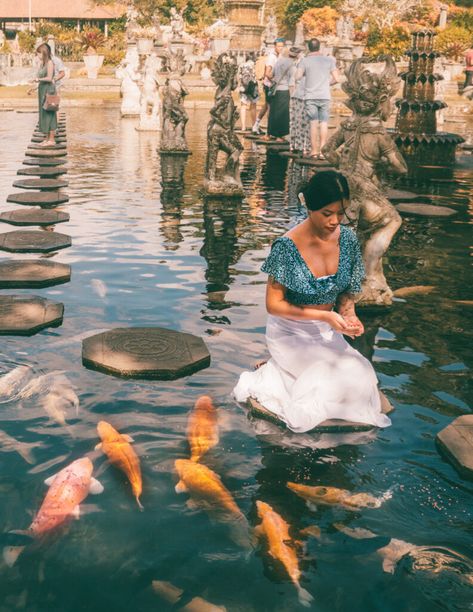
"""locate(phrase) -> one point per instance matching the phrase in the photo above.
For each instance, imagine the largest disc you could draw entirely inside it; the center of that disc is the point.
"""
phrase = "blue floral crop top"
(286, 265)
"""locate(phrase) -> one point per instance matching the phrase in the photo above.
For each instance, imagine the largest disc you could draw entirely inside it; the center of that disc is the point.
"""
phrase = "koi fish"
(12, 382)
(332, 496)
(119, 451)
(67, 489)
(202, 427)
(208, 493)
(173, 595)
(274, 529)
(24, 449)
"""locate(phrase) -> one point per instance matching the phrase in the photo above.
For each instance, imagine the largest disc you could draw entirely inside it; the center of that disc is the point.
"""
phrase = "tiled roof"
(60, 9)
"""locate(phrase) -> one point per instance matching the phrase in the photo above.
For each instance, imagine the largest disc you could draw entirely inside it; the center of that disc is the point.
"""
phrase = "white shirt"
(58, 67)
(270, 61)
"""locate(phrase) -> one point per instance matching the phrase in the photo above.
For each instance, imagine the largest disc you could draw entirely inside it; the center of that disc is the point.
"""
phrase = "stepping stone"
(54, 146)
(314, 163)
(41, 184)
(24, 111)
(59, 134)
(38, 139)
(290, 154)
(46, 152)
(46, 161)
(398, 195)
(145, 352)
(6, 109)
(403, 292)
(43, 172)
(455, 442)
(33, 217)
(24, 315)
(38, 198)
(32, 273)
(329, 426)
(33, 241)
(425, 210)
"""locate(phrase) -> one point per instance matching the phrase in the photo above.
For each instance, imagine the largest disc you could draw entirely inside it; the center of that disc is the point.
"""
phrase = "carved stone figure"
(271, 31)
(359, 148)
(177, 23)
(127, 72)
(345, 28)
(221, 132)
(131, 23)
(150, 102)
(299, 37)
(175, 117)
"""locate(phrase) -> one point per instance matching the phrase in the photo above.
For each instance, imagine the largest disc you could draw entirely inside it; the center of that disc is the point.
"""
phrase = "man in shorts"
(320, 72)
(271, 60)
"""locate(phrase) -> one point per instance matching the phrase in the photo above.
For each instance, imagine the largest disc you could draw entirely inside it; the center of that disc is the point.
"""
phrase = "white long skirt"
(313, 375)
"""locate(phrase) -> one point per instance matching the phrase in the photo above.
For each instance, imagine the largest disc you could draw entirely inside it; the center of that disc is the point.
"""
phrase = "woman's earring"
(301, 198)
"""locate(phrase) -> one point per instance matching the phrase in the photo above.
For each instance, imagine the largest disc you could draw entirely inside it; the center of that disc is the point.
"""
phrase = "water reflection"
(172, 190)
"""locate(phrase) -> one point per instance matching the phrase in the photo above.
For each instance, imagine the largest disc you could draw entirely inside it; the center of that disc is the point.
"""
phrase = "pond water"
(148, 250)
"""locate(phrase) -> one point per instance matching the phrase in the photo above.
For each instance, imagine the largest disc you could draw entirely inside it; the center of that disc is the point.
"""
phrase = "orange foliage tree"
(320, 21)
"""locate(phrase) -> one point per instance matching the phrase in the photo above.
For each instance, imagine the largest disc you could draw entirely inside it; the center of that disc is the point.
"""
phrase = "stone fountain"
(416, 124)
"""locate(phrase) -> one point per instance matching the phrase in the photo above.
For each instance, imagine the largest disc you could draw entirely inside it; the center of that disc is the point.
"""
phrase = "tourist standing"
(468, 68)
(249, 95)
(278, 120)
(59, 69)
(299, 128)
(45, 80)
(272, 58)
(320, 72)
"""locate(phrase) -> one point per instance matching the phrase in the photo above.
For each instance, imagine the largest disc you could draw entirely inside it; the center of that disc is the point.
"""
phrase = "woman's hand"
(338, 323)
(355, 322)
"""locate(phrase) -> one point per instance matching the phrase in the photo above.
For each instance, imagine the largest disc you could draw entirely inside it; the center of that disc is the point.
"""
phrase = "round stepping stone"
(46, 161)
(329, 426)
(54, 146)
(145, 352)
(312, 162)
(59, 134)
(398, 195)
(403, 292)
(33, 241)
(46, 152)
(41, 184)
(25, 111)
(455, 442)
(38, 139)
(38, 198)
(43, 172)
(31, 274)
(33, 217)
(425, 210)
(24, 315)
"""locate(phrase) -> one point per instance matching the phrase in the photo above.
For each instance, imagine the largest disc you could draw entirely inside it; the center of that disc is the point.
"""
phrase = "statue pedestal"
(174, 151)
(178, 43)
(223, 188)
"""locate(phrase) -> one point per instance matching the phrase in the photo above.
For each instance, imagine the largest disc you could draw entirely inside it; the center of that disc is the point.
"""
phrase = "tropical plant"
(320, 21)
(27, 41)
(91, 39)
(393, 41)
(453, 42)
(462, 18)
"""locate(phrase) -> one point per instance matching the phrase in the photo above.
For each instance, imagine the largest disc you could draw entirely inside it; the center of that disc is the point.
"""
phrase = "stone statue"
(127, 72)
(175, 117)
(345, 28)
(177, 23)
(150, 102)
(175, 62)
(299, 37)
(221, 132)
(359, 148)
(131, 23)
(271, 31)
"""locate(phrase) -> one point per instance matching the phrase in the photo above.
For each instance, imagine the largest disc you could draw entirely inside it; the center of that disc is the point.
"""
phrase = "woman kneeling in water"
(314, 270)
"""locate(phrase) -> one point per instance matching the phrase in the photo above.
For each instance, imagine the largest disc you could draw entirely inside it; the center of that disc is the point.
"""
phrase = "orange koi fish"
(202, 427)
(281, 546)
(119, 451)
(331, 496)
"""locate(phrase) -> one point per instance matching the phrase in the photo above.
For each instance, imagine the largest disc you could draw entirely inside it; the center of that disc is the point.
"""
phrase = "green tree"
(293, 9)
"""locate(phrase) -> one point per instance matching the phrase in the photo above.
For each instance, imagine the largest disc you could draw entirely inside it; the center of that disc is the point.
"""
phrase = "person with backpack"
(249, 94)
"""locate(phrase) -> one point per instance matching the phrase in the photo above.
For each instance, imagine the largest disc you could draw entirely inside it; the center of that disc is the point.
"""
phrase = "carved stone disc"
(145, 352)
(31, 273)
(33, 217)
(38, 198)
(46, 161)
(24, 315)
(33, 241)
(456, 444)
(46, 152)
(43, 172)
(41, 184)
(399, 195)
(425, 210)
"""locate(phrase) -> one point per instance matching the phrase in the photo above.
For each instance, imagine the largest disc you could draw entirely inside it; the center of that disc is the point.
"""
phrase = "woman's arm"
(277, 305)
(346, 308)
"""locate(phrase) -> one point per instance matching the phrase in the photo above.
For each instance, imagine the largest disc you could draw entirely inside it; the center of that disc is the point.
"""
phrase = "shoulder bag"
(274, 85)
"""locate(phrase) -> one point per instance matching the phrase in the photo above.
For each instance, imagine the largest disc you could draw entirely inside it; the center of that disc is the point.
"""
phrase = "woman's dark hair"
(45, 50)
(324, 188)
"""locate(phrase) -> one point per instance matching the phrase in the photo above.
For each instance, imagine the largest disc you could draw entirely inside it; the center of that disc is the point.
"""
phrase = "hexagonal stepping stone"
(59, 140)
(24, 315)
(46, 152)
(425, 210)
(145, 352)
(26, 111)
(455, 442)
(399, 195)
(33, 217)
(33, 241)
(312, 162)
(43, 172)
(38, 198)
(59, 133)
(54, 146)
(329, 426)
(31, 274)
(41, 184)
(46, 161)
